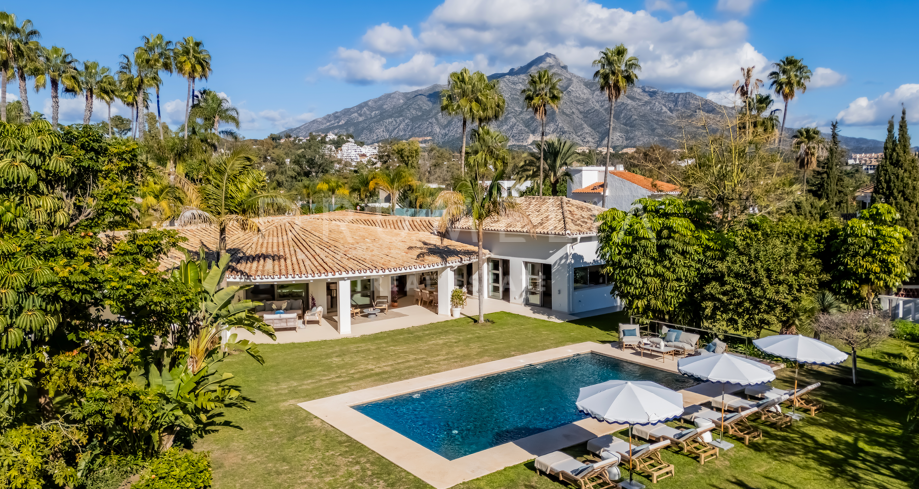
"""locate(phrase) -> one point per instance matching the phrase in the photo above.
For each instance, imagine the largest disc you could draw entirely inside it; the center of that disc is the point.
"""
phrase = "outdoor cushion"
(686, 434)
(720, 346)
(673, 335)
(690, 339)
(710, 348)
(629, 332)
(664, 330)
(656, 341)
(295, 305)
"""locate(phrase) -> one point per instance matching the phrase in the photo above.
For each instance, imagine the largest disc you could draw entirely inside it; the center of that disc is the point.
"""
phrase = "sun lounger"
(803, 401)
(770, 411)
(584, 475)
(735, 424)
(648, 461)
(690, 441)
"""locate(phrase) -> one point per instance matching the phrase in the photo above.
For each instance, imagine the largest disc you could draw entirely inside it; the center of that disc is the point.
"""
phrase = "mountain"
(643, 116)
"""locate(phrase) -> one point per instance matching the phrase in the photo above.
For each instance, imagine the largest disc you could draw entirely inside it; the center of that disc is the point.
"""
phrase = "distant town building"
(868, 161)
(423, 141)
(625, 187)
(353, 153)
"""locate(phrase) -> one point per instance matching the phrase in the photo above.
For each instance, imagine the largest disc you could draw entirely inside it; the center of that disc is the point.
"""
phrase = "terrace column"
(475, 278)
(445, 285)
(344, 307)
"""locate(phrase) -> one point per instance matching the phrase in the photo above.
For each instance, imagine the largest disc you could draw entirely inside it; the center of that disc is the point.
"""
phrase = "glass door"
(460, 278)
(494, 279)
(534, 283)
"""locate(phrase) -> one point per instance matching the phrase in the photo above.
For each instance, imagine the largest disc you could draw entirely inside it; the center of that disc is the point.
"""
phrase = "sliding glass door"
(494, 279)
(534, 283)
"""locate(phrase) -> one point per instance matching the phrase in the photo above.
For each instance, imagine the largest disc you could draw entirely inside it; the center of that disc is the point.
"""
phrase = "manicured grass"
(855, 442)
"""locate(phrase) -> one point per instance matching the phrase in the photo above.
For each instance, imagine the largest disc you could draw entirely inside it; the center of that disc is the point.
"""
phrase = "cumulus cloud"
(281, 120)
(684, 51)
(865, 112)
(740, 7)
(666, 5)
(385, 38)
(724, 97)
(70, 110)
(825, 77)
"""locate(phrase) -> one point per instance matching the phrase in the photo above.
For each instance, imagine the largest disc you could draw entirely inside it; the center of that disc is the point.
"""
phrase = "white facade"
(510, 187)
(622, 193)
(352, 152)
(556, 257)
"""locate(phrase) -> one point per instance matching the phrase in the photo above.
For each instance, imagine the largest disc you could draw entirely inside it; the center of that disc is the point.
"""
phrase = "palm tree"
(747, 90)
(6, 64)
(764, 119)
(789, 76)
(22, 50)
(233, 192)
(140, 66)
(211, 108)
(542, 91)
(126, 93)
(59, 67)
(827, 303)
(334, 186)
(394, 181)
(362, 185)
(616, 72)
(90, 79)
(192, 62)
(107, 91)
(308, 189)
(460, 98)
(492, 103)
(159, 52)
(560, 154)
(480, 204)
(489, 151)
(810, 146)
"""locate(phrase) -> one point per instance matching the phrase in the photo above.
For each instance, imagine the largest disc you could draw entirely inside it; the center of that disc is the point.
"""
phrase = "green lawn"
(855, 442)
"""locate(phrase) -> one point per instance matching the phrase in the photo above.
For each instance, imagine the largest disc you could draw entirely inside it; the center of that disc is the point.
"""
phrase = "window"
(589, 277)
(262, 292)
(291, 291)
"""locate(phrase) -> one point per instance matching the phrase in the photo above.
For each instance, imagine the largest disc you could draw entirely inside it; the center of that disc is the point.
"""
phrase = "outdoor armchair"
(314, 316)
(629, 336)
(382, 303)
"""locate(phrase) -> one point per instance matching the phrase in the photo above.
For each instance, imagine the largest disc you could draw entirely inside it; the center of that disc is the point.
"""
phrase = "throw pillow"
(664, 330)
(710, 348)
(673, 335)
(656, 342)
(629, 332)
(720, 346)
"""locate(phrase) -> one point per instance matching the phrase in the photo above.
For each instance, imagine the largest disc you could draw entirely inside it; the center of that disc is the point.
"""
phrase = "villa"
(625, 187)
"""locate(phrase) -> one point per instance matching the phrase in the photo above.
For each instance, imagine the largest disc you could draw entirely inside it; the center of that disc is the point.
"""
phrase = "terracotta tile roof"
(327, 246)
(419, 224)
(865, 190)
(549, 215)
(646, 183)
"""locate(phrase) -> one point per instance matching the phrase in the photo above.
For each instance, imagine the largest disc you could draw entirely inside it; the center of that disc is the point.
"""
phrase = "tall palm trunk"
(159, 118)
(782, 131)
(2, 94)
(109, 119)
(88, 108)
(482, 273)
(24, 96)
(609, 139)
(542, 144)
(55, 103)
(140, 112)
(133, 124)
(463, 151)
(222, 242)
(216, 125)
(188, 106)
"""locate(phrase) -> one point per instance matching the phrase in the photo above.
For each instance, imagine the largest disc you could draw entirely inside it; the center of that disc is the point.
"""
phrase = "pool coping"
(442, 473)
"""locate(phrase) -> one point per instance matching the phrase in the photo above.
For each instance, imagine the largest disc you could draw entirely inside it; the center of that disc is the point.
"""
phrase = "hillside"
(644, 116)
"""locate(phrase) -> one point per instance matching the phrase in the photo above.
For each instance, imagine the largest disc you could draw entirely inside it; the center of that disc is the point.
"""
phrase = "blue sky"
(283, 63)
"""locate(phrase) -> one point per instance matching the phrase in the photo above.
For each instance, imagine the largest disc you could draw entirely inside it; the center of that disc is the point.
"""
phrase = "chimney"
(620, 167)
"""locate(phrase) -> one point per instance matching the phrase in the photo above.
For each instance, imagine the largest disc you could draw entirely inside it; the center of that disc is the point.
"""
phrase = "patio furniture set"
(380, 304)
(424, 296)
(672, 342)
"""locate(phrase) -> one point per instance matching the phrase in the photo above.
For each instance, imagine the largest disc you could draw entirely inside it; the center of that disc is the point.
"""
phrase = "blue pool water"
(469, 416)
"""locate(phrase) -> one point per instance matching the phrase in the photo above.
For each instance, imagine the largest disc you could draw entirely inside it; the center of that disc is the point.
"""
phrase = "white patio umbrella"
(801, 349)
(725, 369)
(631, 402)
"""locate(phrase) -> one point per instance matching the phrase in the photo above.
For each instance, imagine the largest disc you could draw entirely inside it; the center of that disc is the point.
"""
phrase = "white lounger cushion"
(732, 403)
(609, 443)
(549, 462)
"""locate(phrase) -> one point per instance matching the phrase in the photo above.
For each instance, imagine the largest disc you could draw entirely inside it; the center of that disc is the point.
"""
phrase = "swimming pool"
(465, 417)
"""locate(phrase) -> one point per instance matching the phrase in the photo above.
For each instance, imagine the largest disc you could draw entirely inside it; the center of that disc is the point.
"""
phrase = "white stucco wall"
(598, 297)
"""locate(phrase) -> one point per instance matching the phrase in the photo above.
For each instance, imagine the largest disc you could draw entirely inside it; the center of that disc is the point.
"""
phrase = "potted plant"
(458, 301)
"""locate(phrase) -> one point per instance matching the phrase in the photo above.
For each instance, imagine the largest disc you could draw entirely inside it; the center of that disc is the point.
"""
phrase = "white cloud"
(70, 110)
(825, 77)
(281, 120)
(865, 112)
(385, 38)
(666, 5)
(741, 7)
(724, 97)
(685, 51)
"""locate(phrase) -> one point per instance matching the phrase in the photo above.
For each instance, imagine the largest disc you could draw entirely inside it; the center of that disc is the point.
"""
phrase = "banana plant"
(217, 312)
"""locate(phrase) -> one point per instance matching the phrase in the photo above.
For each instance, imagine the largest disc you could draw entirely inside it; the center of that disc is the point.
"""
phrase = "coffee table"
(371, 312)
(663, 351)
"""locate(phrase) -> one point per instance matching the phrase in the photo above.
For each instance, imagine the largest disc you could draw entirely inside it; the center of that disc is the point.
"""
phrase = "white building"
(625, 187)
(353, 153)
(511, 187)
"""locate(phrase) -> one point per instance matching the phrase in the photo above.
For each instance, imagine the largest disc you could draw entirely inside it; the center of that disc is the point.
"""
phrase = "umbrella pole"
(721, 439)
(794, 395)
(630, 454)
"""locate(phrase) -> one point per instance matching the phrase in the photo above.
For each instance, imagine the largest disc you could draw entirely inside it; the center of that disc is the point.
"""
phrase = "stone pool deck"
(442, 473)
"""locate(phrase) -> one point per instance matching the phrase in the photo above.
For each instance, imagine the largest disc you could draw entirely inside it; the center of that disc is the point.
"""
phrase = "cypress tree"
(829, 189)
(898, 186)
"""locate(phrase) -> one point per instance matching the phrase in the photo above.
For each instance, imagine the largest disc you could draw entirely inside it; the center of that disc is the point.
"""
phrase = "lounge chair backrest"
(590, 470)
(650, 449)
(687, 434)
(807, 389)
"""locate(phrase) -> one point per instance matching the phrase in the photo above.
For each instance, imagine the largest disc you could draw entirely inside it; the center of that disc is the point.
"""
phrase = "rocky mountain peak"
(547, 61)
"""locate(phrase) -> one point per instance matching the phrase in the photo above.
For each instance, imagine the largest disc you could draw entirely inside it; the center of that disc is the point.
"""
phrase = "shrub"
(905, 330)
(458, 298)
(177, 469)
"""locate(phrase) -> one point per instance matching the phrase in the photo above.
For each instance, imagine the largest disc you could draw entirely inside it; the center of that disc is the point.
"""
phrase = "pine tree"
(898, 185)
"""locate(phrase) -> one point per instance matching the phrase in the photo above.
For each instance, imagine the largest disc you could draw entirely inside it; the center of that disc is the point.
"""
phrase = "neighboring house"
(556, 266)
(510, 187)
(625, 187)
(341, 259)
(863, 197)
